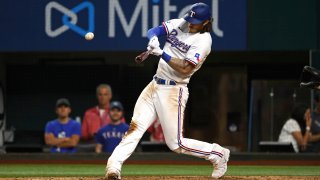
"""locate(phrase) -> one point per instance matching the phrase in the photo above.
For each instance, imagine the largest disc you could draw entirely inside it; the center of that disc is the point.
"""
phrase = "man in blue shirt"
(109, 136)
(63, 133)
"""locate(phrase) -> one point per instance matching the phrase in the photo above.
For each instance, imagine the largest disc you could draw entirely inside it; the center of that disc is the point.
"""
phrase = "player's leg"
(144, 114)
(170, 108)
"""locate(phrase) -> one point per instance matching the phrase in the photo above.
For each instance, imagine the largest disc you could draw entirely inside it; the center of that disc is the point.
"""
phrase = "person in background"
(315, 126)
(156, 133)
(63, 133)
(98, 116)
(297, 128)
(109, 136)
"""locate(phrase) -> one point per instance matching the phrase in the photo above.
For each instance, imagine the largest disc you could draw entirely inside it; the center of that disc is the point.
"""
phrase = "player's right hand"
(157, 51)
(154, 42)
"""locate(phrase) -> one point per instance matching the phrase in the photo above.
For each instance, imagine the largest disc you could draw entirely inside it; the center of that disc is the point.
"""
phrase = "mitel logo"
(69, 18)
(148, 12)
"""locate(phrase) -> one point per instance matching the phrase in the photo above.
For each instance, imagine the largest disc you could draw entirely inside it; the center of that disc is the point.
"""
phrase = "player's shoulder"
(203, 40)
(205, 36)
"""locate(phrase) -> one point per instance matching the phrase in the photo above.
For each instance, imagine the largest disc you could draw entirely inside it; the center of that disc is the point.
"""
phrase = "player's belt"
(164, 81)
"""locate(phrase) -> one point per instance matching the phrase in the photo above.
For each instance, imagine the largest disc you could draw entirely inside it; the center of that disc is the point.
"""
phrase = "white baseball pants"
(167, 102)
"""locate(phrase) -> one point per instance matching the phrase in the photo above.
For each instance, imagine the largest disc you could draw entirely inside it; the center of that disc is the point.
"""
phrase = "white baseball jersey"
(167, 102)
(193, 47)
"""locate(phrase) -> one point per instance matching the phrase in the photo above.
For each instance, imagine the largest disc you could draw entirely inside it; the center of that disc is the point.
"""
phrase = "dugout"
(218, 108)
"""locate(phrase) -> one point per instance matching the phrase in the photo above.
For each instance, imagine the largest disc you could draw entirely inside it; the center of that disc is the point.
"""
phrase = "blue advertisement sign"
(118, 25)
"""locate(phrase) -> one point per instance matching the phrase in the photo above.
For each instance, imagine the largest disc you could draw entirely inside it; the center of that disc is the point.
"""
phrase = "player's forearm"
(181, 66)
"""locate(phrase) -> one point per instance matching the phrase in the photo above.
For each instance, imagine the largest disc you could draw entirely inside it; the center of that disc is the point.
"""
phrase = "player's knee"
(178, 150)
(173, 147)
(133, 131)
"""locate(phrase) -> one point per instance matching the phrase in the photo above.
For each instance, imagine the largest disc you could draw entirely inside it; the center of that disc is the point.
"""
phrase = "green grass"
(45, 170)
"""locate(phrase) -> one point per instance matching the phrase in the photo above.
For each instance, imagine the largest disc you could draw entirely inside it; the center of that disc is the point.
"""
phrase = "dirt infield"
(175, 178)
(225, 178)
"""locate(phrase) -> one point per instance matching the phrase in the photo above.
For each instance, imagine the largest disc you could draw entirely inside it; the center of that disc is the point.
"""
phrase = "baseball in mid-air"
(89, 36)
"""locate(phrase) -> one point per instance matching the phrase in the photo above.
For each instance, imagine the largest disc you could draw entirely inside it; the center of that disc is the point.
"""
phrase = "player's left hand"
(154, 42)
(157, 51)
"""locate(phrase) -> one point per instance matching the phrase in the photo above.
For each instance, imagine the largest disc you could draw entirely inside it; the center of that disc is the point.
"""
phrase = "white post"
(271, 113)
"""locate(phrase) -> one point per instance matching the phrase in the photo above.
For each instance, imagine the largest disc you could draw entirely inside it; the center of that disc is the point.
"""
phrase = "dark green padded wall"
(282, 24)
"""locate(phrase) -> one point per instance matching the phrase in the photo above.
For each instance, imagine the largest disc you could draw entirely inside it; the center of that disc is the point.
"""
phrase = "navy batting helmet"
(198, 13)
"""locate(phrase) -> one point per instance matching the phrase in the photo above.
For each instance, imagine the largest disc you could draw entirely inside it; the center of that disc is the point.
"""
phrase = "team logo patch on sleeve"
(197, 56)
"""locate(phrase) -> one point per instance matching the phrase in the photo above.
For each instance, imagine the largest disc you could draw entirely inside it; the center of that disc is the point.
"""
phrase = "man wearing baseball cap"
(97, 116)
(109, 136)
(63, 133)
(188, 43)
(199, 17)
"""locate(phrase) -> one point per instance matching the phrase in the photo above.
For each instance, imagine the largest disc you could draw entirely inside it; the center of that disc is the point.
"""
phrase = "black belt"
(164, 81)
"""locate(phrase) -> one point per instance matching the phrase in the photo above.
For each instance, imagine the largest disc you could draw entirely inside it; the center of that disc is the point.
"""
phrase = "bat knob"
(138, 59)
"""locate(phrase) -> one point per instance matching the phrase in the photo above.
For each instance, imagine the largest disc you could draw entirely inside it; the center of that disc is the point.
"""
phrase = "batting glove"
(154, 42)
(157, 51)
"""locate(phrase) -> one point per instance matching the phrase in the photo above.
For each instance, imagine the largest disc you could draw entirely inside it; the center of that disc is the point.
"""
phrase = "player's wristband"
(166, 57)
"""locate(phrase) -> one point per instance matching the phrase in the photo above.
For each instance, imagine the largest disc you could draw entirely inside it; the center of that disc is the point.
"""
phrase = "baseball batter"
(188, 43)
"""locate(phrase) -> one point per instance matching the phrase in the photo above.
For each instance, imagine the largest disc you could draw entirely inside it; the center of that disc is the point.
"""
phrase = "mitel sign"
(118, 25)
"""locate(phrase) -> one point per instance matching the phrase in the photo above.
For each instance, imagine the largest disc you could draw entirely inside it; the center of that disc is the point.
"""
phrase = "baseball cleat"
(113, 176)
(220, 167)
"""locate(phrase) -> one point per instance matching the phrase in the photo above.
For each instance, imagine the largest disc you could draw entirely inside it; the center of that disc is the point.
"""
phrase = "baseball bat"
(142, 57)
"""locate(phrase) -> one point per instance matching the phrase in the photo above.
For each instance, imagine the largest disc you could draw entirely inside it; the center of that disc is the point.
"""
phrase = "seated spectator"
(63, 133)
(156, 133)
(109, 136)
(98, 116)
(297, 128)
(315, 126)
